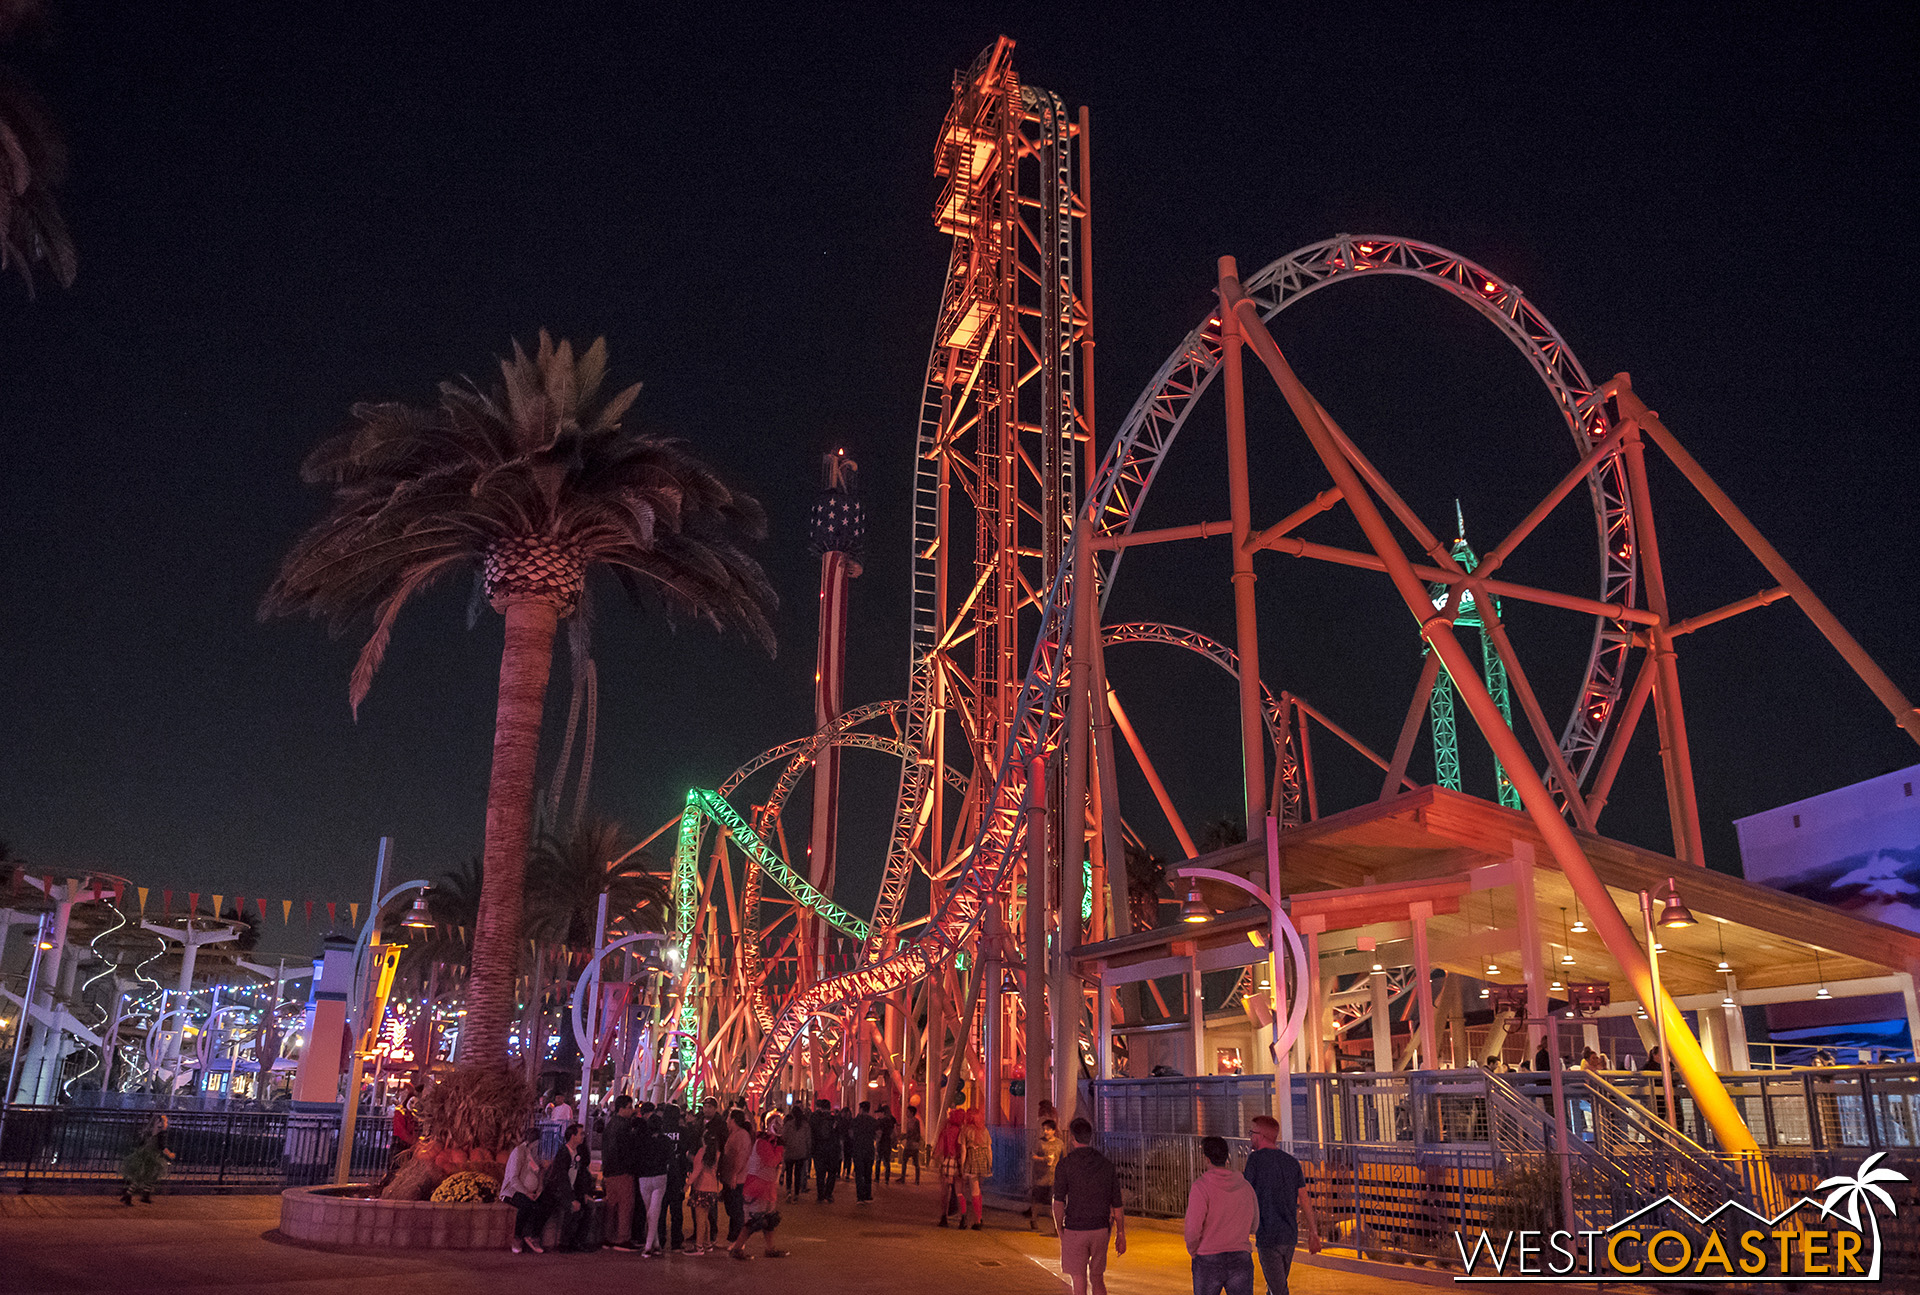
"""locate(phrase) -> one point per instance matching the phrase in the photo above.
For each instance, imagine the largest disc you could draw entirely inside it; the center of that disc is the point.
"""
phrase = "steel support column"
(1711, 1095)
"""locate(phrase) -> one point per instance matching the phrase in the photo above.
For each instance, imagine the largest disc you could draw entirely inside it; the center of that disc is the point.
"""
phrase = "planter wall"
(328, 1216)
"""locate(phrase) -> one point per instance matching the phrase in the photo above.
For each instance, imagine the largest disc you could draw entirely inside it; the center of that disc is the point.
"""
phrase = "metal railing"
(238, 1148)
(1221, 1104)
(1391, 1156)
(1872, 1107)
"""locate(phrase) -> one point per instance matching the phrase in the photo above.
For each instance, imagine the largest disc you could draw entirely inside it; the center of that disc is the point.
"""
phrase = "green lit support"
(1446, 734)
(703, 807)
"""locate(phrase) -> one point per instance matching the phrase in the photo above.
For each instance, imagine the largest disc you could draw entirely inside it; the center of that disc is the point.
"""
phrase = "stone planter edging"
(325, 1216)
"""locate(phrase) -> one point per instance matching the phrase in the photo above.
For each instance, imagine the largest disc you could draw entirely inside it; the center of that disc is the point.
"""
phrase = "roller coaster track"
(1115, 496)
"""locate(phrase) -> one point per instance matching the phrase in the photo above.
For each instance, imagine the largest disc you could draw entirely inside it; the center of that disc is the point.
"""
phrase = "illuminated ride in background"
(1007, 776)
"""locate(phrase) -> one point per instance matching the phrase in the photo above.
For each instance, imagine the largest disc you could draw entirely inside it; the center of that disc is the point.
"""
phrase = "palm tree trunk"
(525, 661)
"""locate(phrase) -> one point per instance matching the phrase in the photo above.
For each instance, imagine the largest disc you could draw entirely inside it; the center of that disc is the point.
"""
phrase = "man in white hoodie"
(1222, 1212)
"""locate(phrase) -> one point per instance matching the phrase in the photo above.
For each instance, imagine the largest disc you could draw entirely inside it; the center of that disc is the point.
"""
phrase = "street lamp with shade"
(419, 917)
(1281, 929)
(1674, 915)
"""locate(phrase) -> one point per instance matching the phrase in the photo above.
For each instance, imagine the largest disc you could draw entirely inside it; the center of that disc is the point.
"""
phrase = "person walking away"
(1087, 1213)
(703, 1192)
(521, 1189)
(1280, 1189)
(733, 1171)
(947, 1156)
(863, 1138)
(1045, 1156)
(147, 1163)
(558, 1187)
(1222, 1212)
(680, 1144)
(761, 1193)
(911, 1137)
(619, 1149)
(796, 1137)
(843, 1116)
(650, 1180)
(887, 1126)
(825, 1134)
(976, 1165)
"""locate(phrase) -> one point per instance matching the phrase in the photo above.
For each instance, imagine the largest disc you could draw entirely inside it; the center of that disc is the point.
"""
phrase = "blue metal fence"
(236, 1148)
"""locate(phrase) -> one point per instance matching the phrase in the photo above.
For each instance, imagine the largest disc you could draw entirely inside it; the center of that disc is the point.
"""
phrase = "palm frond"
(541, 455)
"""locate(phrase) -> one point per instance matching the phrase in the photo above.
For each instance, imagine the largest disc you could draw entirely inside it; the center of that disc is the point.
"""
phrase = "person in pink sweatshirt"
(1222, 1212)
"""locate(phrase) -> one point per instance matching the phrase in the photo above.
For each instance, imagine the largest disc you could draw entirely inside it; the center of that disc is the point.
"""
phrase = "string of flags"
(218, 906)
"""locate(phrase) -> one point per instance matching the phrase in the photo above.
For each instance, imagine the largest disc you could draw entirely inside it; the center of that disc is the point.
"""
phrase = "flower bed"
(347, 1217)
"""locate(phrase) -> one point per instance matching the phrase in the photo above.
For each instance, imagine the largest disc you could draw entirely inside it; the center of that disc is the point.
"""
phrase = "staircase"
(1624, 1155)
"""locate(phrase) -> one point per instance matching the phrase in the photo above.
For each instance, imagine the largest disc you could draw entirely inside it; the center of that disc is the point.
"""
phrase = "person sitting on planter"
(525, 1178)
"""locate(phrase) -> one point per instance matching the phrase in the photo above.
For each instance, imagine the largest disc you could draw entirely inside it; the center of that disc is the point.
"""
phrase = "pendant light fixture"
(1493, 968)
(1579, 922)
(1566, 944)
(1722, 932)
(1195, 909)
(1819, 972)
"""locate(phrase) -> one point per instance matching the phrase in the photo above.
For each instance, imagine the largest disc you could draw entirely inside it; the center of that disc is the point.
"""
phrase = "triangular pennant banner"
(286, 912)
(355, 910)
(263, 908)
(143, 901)
(309, 912)
(193, 903)
(333, 918)
(119, 892)
(166, 901)
(217, 900)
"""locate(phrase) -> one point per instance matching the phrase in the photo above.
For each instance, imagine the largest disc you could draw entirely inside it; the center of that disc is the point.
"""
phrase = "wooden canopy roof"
(1359, 869)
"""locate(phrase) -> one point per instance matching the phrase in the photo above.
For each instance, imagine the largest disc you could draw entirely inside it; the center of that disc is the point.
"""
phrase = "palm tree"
(33, 163)
(1862, 1190)
(534, 483)
(568, 874)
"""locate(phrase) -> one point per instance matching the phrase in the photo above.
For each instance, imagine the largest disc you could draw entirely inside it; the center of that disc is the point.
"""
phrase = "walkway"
(82, 1245)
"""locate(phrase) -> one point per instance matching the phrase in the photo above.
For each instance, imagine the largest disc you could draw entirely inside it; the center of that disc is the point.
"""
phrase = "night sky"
(282, 209)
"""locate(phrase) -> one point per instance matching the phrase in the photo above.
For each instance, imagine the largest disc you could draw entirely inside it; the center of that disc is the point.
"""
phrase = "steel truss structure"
(1011, 810)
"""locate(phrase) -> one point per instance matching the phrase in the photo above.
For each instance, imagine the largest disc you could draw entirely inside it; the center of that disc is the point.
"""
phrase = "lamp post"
(26, 1011)
(585, 1005)
(1279, 928)
(1674, 916)
(368, 1032)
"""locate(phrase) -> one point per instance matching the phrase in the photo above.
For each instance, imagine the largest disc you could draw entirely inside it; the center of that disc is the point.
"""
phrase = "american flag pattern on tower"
(838, 520)
(836, 531)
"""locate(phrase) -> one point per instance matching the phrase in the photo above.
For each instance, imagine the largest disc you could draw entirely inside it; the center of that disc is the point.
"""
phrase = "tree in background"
(532, 484)
(33, 163)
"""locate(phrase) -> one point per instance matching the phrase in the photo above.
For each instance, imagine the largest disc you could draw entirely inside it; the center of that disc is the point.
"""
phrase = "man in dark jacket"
(863, 1138)
(618, 1146)
(826, 1150)
(887, 1126)
(560, 1190)
(685, 1140)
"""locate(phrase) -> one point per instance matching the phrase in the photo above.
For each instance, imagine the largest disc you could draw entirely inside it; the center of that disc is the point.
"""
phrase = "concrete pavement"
(92, 1245)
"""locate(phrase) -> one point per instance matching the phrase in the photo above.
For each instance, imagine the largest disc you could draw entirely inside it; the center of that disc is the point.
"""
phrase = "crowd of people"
(707, 1181)
(667, 1176)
